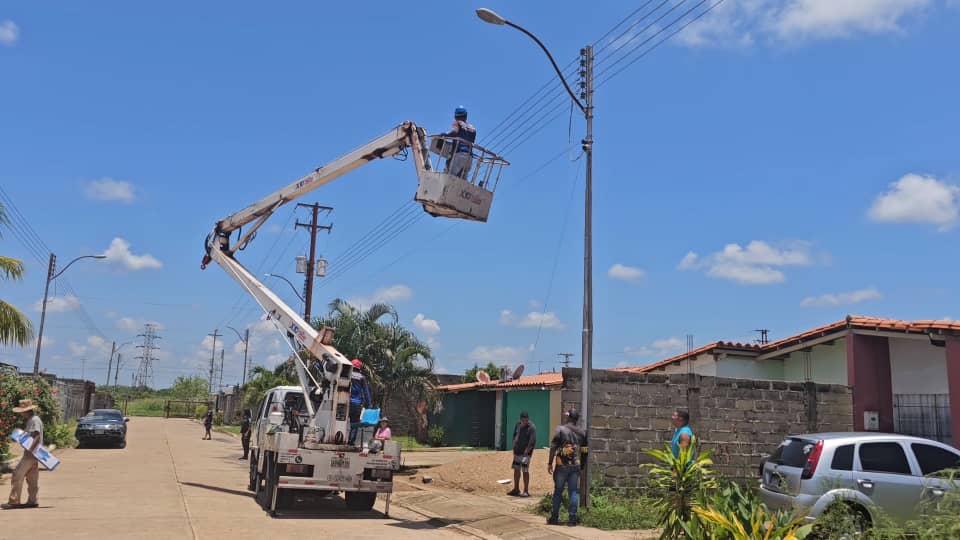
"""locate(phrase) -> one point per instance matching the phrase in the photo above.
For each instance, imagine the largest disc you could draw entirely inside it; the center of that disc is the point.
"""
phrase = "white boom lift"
(300, 439)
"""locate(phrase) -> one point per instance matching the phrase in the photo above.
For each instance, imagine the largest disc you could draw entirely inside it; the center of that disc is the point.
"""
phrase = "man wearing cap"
(568, 451)
(359, 398)
(459, 164)
(29, 468)
(524, 441)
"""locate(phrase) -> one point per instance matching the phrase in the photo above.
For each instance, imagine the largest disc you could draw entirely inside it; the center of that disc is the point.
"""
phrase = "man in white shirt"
(29, 468)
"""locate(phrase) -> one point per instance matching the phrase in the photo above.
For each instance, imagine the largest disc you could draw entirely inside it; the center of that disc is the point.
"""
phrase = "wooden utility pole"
(312, 261)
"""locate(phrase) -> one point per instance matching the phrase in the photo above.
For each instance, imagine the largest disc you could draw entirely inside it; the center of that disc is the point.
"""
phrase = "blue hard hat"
(460, 111)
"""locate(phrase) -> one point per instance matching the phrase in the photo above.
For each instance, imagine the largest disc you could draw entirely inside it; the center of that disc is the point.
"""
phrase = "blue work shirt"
(675, 443)
(359, 390)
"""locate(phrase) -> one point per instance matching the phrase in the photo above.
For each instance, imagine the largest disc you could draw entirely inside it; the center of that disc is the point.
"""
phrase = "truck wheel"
(254, 482)
(359, 500)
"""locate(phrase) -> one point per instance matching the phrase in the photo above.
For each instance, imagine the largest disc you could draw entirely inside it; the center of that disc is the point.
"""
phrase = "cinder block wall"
(741, 420)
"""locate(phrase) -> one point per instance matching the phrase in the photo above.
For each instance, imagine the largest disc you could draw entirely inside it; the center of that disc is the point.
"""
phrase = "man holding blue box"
(29, 468)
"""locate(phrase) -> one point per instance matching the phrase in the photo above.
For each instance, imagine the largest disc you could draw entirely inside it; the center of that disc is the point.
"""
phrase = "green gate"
(537, 405)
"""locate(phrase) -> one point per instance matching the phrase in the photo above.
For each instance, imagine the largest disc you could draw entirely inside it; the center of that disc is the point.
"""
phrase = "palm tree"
(15, 327)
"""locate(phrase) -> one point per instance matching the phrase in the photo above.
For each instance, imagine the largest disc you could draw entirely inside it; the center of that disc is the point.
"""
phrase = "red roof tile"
(852, 321)
(543, 379)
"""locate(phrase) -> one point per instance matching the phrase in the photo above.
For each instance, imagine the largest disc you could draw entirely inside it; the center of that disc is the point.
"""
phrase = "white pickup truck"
(282, 463)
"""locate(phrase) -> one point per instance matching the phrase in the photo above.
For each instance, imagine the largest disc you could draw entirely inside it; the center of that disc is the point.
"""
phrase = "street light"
(46, 291)
(246, 344)
(586, 71)
(292, 286)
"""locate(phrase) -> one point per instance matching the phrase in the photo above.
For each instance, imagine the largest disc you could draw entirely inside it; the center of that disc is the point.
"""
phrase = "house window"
(923, 415)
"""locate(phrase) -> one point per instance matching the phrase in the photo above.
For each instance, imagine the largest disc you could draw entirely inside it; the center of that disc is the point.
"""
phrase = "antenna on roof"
(764, 336)
(690, 359)
(566, 358)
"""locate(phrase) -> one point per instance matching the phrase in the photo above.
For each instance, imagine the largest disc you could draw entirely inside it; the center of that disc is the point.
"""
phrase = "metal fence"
(923, 415)
(186, 409)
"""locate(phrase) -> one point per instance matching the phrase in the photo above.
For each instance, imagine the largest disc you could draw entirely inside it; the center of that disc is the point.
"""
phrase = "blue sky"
(778, 164)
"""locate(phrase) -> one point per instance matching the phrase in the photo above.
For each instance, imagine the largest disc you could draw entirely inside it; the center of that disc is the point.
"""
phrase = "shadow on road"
(217, 488)
(428, 524)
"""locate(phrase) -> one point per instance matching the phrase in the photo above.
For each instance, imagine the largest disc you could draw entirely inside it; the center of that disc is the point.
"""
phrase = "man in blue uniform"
(359, 398)
(461, 161)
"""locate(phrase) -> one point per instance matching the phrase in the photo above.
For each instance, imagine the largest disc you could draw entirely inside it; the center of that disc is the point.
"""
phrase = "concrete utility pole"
(245, 338)
(116, 374)
(51, 268)
(113, 351)
(213, 357)
(585, 106)
(311, 262)
(220, 381)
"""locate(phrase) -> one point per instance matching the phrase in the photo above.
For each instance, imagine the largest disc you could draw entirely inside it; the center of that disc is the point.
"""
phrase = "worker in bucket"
(459, 164)
(359, 398)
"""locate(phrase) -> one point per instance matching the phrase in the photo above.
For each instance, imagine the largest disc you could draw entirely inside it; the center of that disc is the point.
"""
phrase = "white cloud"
(661, 347)
(132, 324)
(425, 325)
(534, 319)
(916, 198)
(535, 304)
(744, 22)
(119, 253)
(58, 304)
(108, 189)
(499, 355)
(94, 344)
(840, 299)
(9, 33)
(756, 264)
(388, 295)
(830, 18)
(625, 273)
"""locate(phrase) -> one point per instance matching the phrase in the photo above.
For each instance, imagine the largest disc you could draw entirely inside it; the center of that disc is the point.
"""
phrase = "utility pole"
(246, 346)
(116, 374)
(51, 266)
(213, 356)
(113, 351)
(566, 358)
(220, 382)
(586, 92)
(311, 262)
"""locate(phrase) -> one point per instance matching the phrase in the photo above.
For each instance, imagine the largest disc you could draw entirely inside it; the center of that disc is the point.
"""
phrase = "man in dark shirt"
(524, 441)
(245, 433)
(568, 451)
(465, 134)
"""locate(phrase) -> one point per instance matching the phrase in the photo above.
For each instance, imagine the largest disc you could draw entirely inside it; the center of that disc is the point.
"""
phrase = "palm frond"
(15, 327)
(11, 268)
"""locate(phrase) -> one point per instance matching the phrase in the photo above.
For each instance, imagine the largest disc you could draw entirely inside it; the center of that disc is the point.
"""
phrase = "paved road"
(168, 483)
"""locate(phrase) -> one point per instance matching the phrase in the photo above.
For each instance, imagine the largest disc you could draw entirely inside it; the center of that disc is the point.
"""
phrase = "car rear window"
(933, 459)
(792, 452)
(842, 458)
(884, 457)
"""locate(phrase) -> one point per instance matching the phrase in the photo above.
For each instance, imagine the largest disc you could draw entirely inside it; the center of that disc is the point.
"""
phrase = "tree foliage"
(15, 327)
(13, 388)
(190, 388)
(492, 369)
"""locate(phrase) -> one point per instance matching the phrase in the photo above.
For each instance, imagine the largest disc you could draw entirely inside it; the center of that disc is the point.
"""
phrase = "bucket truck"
(300, 440)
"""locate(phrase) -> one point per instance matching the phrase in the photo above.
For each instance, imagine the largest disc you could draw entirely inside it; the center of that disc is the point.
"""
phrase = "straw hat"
(25, 405)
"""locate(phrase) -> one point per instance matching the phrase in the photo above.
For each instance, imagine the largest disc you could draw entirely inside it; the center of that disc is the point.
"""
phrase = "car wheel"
(122, 444)
(79, 444)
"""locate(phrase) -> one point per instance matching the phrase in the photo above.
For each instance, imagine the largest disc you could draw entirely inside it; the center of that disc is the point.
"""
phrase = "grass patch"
(609, 511)
(146, 407)
(228, 429)
(409, 443)
(61, 435)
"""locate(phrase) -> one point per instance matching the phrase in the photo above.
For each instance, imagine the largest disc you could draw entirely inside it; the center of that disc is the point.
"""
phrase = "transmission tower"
(144, 375)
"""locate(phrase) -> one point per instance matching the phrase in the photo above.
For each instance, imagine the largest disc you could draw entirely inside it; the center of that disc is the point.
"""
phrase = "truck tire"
(273, 477)
(254, 482)
(360, 501)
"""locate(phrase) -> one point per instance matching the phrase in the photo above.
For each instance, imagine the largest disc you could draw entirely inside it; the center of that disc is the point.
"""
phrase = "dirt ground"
(480, 474)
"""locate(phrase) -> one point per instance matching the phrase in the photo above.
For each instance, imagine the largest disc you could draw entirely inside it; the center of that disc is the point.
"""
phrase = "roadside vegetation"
(13, 388)
(686, 498)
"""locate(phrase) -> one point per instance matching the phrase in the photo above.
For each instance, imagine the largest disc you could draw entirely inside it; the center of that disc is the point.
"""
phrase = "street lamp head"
(490, 16)
(99, 256)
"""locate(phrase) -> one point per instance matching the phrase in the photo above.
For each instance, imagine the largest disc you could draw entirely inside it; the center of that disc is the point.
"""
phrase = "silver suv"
(869, 471)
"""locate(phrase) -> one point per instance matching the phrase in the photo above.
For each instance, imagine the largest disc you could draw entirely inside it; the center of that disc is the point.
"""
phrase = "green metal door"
(537, 405)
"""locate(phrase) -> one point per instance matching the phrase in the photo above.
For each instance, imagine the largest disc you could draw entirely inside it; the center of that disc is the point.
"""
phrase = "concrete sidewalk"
(493, 517)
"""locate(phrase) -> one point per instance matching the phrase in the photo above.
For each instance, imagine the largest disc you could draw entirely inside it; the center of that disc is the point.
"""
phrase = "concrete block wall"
(741, 420)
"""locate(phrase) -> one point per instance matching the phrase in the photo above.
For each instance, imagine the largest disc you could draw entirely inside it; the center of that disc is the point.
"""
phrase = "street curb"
(466, 529)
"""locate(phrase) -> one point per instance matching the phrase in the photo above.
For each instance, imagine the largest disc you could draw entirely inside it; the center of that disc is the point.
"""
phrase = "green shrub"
(608, 510)
(151, 406)
(435, 436)
(61, 435)
(13, 388)
(678, 481)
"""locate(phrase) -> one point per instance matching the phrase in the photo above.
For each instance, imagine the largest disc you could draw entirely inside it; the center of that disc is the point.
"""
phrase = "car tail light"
(810, 466)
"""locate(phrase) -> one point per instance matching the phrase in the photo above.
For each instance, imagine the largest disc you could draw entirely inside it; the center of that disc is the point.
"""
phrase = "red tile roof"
(851, 322)
(543, 379)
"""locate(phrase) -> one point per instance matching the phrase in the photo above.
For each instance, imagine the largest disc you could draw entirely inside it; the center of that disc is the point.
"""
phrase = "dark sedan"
(102, 428)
